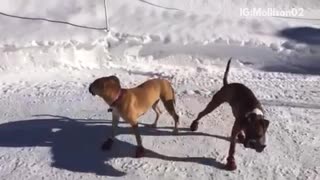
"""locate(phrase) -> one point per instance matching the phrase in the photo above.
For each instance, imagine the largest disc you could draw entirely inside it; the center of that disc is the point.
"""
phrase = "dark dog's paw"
(107, 144)
(231, 164)
(139, 151)
(194, 126)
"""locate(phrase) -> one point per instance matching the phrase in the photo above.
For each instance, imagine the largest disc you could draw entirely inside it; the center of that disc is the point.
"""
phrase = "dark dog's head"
(101, 85)
(255, 132)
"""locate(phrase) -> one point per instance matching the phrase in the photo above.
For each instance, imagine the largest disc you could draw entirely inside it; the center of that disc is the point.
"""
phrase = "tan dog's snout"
(91, 91)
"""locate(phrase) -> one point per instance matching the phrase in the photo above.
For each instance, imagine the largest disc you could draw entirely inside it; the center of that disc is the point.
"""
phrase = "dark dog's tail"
(225, 78)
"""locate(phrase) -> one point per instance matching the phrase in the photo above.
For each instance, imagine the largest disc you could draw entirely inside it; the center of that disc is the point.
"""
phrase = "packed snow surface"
(52, 128)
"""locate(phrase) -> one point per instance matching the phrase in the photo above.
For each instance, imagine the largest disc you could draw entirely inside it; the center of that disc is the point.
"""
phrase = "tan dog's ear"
(115, 79)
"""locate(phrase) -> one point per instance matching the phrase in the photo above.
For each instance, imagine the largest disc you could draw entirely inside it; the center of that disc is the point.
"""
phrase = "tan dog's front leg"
(139, 149)
(231, 164)
(115, 121)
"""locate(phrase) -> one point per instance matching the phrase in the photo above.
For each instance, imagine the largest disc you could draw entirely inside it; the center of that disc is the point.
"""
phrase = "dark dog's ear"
(266, 123)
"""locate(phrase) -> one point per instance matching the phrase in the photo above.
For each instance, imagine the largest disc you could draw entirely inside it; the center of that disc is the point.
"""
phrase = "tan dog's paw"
(194, 126)
(175, 131)
(151, 125)
(107, 144)
(139, 152)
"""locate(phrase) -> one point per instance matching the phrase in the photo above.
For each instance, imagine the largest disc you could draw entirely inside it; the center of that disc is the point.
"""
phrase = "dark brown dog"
(130, 104)
(250, 126)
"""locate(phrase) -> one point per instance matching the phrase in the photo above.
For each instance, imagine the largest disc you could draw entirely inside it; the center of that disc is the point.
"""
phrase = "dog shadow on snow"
(75, 143)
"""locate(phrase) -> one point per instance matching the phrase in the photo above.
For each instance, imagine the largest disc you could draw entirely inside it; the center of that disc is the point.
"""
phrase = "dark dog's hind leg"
(216, 100)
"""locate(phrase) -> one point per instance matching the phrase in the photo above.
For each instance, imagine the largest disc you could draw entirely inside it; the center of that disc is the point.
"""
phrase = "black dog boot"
(107, 144)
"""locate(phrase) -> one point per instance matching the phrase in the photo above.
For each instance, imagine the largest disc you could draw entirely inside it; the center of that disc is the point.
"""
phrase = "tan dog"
(250, 126)
(130, 104)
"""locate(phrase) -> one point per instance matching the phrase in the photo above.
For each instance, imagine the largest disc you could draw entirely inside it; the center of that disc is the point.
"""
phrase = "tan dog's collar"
(118, 97)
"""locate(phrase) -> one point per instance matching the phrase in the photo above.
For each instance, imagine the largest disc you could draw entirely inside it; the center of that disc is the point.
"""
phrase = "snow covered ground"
(52, 128)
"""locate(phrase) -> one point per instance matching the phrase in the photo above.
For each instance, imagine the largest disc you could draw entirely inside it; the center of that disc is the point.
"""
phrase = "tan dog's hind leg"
(139, 149)
(169, 105)
(158, 112)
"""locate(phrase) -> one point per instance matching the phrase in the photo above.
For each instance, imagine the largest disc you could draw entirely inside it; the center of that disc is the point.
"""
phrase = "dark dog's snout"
(260, 148)
(253, 144)
(250, 144)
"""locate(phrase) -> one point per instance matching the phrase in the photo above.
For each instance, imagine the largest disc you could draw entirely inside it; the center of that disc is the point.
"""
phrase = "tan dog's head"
(255, 132)
(103, 85)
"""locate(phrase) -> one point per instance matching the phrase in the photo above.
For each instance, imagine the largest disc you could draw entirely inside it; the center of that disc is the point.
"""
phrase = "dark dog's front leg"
(115, 121)
(241, 137)
(231, 163)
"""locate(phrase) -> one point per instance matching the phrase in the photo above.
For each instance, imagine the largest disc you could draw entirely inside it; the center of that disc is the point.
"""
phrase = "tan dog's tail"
(173, 96)
(225, 78)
